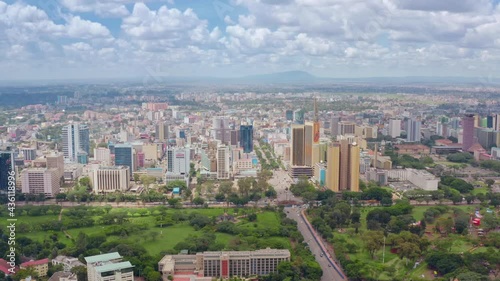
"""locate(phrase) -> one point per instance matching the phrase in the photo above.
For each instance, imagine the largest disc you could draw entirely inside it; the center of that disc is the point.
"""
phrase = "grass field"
(476, 191)
(165, 238)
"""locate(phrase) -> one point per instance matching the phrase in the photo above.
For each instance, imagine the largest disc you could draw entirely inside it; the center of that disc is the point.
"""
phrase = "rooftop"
(113, 266)
(34, 263)
(103, 257)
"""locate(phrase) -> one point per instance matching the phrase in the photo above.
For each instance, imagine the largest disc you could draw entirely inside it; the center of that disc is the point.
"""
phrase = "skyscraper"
(297, 153)
(468, 131)
(308, 143)
(413, 133)
(6, 169)
(289, 115)
(394, 128)
(298, 116)
(178, 160)
(316, 125)
(343, 166)
(334, 126)
(221, 130)
(246, 138)
(161, 131)
(347, 128)
(124, 156)
(75, 139)
(223, 162)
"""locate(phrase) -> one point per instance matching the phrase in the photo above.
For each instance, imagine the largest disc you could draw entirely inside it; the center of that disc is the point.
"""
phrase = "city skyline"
(121, 39)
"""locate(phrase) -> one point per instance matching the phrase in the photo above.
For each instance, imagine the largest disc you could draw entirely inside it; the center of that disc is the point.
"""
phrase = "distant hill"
(280, 77)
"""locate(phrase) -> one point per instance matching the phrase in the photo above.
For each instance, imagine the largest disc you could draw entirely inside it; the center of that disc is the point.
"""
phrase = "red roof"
(34, 263)
(5, 266)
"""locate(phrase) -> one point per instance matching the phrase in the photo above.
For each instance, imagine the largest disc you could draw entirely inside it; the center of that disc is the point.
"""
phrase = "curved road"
(331, 271)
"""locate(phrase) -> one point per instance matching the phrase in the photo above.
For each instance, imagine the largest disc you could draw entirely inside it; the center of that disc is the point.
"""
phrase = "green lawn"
(29, 219)
(476, 191)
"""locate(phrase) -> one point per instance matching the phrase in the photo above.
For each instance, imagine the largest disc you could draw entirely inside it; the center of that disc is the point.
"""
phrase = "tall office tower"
(41, 180)
(489, 121)
(468, 131)
(483, 122)
(56, 161)
(334, 126)
(75, 139)
(289, 115)
(246, 138)
(476, 120)
(343, 166)
(297, 153)
(308, 143)
(394, 128)
(161, 131)
(413, 133)
(103, 154)
(221, 130)
(124, 156)
(298, 116)
(496, 122)
(178, 160)
(7, 170)
(347, 128)
(223, 167)
(235, 137)
(316, 124)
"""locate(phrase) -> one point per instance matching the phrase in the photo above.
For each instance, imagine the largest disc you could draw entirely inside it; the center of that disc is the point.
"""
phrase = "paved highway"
(331, 272)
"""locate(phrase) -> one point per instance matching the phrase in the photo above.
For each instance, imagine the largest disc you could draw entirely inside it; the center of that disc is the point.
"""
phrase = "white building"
(102, 155)
(421, 178)
(109, 267)
(75, 139)
(41, 180)
(67, 262)
(110, 179)
(394, 128)
(178, 160)
(223, 167)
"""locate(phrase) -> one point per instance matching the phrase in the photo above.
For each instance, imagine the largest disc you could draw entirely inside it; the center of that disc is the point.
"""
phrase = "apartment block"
(109, 267)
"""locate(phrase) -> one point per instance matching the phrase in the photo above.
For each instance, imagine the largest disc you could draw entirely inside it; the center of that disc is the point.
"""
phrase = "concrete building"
(162, 131)
(103, 155)
(29, 153)
(297, 152)
(343, 166)
(75, 139)
(246, 138)
(6, 169)
(413, 130)
(41, 267)
(468, 131)
(347, 128)
(178, 160)
(223, 164)
(334, 126)
(420, 178)
(41, 180)
(67, 262)
(221, 130)
(109, 267)
(224, 264)
(110, 179)
(394, 128)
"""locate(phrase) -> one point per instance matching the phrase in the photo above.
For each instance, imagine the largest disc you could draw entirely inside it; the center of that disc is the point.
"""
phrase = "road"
(331, 272)
(281, 181)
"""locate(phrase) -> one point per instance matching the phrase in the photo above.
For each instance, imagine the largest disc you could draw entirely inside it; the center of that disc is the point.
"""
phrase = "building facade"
(343, 166)
(110, 179)
(41, 180)
(6, 169)
(109, 267)
(124, 156)
(223, 164)
(75, 139)
(246, 138)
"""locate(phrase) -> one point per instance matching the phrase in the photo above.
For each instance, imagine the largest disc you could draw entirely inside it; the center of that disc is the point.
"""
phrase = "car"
(321, 255)
(329, 265)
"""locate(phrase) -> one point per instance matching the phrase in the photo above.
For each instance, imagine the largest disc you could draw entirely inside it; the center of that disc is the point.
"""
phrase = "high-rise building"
(221, 130)
(297, 153)
(124, 156)
(394, 128)
(308, 143)
(41, 180)
(102, 154)
(343, 166)
(109, 267)
(334, 126)
(289, 115)
(347, 128)
(413, 132)
(56, 161)
(6, 170)
(316, 124)
(29, 153)
(246, 138)
(178, 160)
(298, 116)
(75, 139)
(468, 131)
(162, 131)
(223, 166)
(110, 179)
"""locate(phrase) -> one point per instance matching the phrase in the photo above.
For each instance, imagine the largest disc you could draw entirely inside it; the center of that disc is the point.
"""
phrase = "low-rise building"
(110, 179)
(41, 267)
(67, 262)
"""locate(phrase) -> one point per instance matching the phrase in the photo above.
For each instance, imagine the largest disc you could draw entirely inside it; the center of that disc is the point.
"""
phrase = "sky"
(82, 39)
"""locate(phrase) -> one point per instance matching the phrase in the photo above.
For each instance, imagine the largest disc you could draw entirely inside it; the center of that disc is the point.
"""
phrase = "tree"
(408, 250)
(373, 241)
(489, 182)
(198, 201)
(471, 276)
(136, 177)
(81, 272)
(85, 181)
(147, 180)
